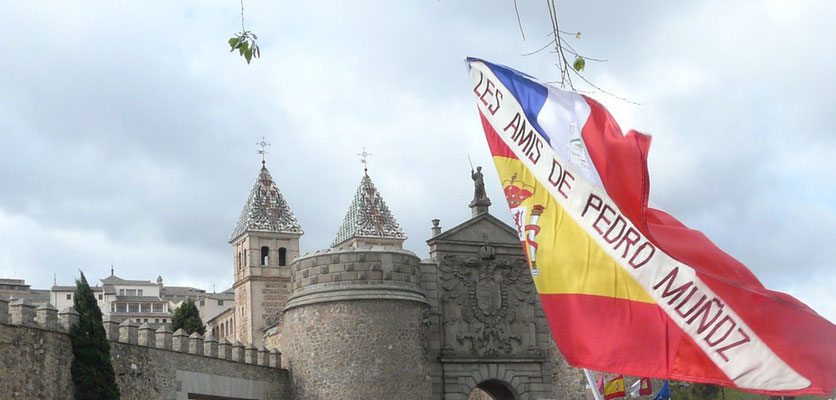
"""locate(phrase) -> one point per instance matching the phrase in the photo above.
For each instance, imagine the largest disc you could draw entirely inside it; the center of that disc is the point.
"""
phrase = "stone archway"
(492, 389)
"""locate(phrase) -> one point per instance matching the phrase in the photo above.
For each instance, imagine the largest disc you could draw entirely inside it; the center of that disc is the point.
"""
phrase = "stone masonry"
(35, 359)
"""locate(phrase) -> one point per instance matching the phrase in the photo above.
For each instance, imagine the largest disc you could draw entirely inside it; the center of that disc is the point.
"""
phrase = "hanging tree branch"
(561, 47)
(244, 41)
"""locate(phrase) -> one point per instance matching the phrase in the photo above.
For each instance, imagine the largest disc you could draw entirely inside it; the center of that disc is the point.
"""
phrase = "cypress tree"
(187, 317)
(93, 376)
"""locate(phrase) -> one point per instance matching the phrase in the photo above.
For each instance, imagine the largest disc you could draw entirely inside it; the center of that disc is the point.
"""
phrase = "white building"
(141, 301)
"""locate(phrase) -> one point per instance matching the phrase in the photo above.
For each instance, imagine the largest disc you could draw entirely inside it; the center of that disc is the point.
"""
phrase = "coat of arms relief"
(488, 305)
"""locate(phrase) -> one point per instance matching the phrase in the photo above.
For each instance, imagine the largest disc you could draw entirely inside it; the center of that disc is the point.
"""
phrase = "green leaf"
(244, 48)
(579, 64)
(256, 52)
(248, 55)
(578, 35)
(233, 41)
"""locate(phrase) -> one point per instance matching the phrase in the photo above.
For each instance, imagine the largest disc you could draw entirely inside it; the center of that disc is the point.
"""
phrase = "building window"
(100, 297)
(121, 307)
(282, 256)
(145, 320)
(164, 320)
(158, 308)
(145, 307)
(133, 307)
(203, 303)
(139, 292)
(138, 321)
(220, 302)
(69, 297)
(121, 292)
(130, 292)
(265, 255)
(240, 261)
(156, 320)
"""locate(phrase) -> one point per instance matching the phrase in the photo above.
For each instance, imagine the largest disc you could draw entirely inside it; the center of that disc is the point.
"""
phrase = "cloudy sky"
(128, 131)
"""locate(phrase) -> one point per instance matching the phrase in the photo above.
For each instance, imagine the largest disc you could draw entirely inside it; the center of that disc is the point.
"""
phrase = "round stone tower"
(353, 326)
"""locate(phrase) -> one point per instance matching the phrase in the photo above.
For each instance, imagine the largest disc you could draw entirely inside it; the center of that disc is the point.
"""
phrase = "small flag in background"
(614, 388)
(633, 391)
(664, 392)
(645, 387)
(640, 388)
(601, 383)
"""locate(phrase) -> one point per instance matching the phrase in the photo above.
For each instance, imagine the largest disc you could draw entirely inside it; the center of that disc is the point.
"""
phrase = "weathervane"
(365, 159)
(263, 150)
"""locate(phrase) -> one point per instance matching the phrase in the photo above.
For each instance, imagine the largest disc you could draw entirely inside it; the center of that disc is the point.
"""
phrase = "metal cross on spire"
(365, 159)
(263, 150)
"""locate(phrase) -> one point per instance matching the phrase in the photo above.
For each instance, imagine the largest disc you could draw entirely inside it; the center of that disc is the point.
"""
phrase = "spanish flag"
(614, 388)
(627, 288)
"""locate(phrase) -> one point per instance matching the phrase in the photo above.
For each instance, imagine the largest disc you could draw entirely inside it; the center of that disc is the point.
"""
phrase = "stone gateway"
(363, 319)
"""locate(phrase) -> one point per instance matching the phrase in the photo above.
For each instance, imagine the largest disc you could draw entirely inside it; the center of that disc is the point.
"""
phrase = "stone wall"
(354, 326)
(360, 349)
(36, 355)
(242, 320)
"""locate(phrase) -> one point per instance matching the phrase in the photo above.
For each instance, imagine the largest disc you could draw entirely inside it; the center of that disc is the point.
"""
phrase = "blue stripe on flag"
(531, 95)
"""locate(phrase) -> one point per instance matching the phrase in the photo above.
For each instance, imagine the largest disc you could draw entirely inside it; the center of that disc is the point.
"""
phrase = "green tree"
(92, 373)
(188, 318)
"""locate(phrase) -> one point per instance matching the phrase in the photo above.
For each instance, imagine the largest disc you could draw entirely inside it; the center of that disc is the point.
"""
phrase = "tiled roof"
(266, 210)
(368, 217)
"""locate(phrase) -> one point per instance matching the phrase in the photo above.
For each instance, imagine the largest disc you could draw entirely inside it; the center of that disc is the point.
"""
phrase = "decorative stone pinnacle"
(368, 217)
(266, 210)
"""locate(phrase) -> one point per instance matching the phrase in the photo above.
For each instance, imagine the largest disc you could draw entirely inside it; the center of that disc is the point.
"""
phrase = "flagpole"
(592, 386)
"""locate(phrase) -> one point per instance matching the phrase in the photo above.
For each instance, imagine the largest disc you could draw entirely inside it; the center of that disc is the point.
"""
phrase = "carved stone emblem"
(488, 293)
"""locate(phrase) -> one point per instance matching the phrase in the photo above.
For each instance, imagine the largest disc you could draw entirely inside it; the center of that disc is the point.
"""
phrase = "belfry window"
(265, 255)
(240, 265)
(282, 256)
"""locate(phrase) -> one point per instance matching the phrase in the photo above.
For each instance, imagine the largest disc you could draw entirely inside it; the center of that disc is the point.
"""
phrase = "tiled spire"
(266, 210)
(368, 217)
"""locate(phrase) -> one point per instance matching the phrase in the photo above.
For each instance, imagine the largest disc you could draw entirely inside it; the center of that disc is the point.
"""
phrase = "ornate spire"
(368, 217)
(266, 210)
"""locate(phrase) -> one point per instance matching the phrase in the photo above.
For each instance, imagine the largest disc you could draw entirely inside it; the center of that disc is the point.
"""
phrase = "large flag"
(614, 388)
(627, 288)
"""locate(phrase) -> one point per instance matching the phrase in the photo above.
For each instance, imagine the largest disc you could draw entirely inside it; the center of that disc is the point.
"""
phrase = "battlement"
(355, 273)
(128, 332)
(148, 363)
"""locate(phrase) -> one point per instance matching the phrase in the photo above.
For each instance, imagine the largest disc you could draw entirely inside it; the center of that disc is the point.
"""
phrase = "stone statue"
(479, 183)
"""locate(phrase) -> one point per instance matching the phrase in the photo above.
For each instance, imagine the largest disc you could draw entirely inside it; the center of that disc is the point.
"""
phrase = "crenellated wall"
(36, 354)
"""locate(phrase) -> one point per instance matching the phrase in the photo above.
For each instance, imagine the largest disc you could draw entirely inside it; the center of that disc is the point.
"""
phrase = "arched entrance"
(492, 389)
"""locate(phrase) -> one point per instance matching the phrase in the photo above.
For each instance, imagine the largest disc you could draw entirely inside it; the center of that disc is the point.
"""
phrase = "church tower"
(264, 242)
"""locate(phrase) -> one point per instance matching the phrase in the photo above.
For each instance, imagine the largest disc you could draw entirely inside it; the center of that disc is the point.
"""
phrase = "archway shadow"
(493, 389)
